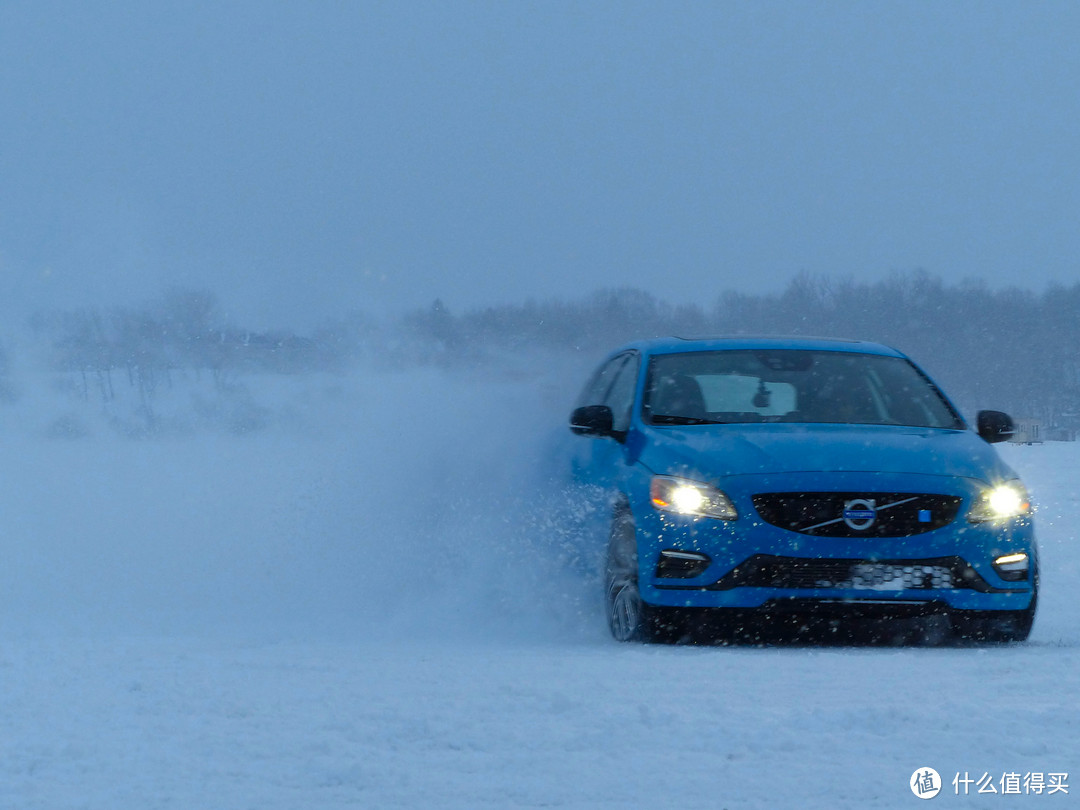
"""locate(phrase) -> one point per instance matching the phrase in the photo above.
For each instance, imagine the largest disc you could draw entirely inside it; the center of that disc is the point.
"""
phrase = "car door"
(600, 461)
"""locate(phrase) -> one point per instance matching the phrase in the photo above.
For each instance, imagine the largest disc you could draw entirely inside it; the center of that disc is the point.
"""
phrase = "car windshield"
(788, 385)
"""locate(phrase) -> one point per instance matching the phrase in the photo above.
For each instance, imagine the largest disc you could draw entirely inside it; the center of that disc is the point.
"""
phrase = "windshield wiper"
(673, 419)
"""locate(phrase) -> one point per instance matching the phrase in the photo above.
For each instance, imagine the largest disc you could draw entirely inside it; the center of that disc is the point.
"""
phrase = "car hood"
(716, 451)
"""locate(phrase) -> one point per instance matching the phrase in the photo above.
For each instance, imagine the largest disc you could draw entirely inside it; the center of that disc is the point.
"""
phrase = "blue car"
(783, 481)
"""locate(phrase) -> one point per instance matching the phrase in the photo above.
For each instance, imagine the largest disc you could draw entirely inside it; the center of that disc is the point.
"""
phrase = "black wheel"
(625, 610)
(630, 618)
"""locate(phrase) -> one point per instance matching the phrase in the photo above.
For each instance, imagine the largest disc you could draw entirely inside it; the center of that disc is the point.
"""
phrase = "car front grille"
(857, 514)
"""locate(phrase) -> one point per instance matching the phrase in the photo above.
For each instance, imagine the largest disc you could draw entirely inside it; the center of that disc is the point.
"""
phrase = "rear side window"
(739, 393)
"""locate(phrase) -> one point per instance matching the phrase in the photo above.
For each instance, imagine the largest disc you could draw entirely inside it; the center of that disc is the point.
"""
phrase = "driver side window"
(595, 392)
(620, 397)
(614, 385)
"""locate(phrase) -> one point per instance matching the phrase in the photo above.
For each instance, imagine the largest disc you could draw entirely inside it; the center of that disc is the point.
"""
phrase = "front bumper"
(752, 564)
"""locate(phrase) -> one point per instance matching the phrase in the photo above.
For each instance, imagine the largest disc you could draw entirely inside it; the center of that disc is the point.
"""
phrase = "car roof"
(677, 345)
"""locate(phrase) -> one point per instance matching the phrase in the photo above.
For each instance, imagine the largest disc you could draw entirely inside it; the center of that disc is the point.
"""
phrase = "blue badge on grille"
(860, 513)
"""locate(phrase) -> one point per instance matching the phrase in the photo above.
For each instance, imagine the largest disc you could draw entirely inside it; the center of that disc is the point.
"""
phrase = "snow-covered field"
(371, 600)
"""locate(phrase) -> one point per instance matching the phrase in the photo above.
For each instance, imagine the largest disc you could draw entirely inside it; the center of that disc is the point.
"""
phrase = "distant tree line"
(143, 347)
(1011, 349)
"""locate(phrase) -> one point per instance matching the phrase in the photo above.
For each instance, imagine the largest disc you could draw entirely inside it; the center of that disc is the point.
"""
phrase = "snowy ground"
(369, 604)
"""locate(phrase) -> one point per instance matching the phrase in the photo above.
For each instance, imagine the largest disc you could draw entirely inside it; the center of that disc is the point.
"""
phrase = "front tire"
(625, 610)
(629, 617)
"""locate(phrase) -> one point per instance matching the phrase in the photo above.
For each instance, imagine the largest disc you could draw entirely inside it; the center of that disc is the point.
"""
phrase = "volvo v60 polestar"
(779, 478)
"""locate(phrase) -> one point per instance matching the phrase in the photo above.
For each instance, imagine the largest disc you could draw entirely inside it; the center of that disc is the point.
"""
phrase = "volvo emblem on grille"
(860, 513)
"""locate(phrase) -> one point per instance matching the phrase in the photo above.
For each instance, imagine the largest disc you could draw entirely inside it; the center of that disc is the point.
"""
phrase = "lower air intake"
(940, 573)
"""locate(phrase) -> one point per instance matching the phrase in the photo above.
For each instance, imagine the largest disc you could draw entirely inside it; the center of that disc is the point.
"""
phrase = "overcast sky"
(314, 157)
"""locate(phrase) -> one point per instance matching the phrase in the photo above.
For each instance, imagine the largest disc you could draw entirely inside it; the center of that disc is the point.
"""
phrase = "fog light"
(1012, 567)
(676, 564)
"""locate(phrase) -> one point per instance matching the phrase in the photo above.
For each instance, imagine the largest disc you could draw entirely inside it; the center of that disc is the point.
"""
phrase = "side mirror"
(995, 426)
(592, 420)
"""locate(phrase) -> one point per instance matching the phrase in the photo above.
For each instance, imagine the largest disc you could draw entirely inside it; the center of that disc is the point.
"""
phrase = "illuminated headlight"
(1012, 567)
(1003, 501)
(690, 498)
